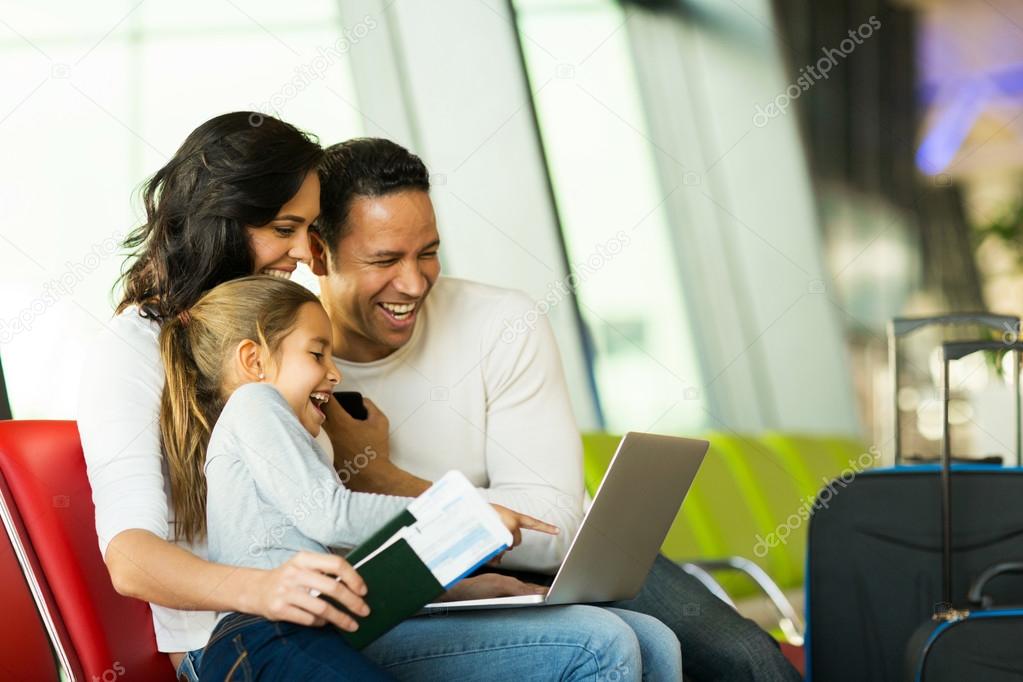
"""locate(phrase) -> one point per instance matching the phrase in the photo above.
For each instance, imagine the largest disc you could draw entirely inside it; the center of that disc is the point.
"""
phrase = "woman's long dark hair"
(234, 170)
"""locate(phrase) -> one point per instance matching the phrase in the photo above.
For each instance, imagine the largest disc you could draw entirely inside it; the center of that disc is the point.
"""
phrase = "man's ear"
(319, 250)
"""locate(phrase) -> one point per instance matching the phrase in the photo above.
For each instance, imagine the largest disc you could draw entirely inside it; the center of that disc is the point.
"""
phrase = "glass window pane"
(610, 204)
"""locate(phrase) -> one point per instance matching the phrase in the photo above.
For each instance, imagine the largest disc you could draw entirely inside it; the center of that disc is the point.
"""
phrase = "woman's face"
(303, 370)
(278, 246)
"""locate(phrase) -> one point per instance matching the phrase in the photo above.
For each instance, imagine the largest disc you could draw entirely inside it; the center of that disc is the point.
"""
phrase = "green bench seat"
(751, 499)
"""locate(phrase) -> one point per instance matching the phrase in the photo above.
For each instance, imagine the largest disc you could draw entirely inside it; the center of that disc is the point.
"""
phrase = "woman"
(237, 199)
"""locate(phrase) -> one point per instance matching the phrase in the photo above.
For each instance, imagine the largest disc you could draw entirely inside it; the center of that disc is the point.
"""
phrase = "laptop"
(622, 531)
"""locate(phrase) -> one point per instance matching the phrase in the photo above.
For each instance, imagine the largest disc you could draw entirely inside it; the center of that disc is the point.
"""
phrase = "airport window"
(611, 210)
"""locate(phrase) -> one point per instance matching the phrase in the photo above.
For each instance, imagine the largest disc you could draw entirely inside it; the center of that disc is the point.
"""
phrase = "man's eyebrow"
(398, 254)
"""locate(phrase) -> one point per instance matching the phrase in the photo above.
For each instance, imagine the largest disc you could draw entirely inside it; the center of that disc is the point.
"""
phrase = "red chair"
(47, 509)
(25, 651)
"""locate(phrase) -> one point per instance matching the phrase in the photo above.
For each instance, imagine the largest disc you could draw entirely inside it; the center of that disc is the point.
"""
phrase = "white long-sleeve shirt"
(118, 422)
(479, 387)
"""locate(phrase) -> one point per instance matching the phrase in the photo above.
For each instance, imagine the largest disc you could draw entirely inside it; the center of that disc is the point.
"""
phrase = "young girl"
(249, 371)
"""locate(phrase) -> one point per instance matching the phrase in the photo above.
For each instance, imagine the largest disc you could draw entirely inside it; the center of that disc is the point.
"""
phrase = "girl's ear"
(250, 361)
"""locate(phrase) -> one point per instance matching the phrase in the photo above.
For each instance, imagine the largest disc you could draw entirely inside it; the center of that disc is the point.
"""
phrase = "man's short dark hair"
(363, 167)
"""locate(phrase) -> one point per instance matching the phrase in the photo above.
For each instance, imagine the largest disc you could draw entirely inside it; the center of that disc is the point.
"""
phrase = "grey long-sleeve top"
(272, 493)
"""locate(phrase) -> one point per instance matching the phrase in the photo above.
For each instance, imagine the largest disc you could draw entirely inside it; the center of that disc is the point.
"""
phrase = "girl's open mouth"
(319, 399)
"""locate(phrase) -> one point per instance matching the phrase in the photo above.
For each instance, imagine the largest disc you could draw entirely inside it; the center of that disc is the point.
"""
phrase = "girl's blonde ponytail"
(185, 427)
(195, 348)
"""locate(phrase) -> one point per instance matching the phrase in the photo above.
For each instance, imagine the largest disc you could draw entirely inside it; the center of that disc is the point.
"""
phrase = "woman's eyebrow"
(290, 217)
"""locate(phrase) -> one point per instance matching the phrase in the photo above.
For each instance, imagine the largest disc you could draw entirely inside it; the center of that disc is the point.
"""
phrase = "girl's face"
(282, 243)
(302, 370)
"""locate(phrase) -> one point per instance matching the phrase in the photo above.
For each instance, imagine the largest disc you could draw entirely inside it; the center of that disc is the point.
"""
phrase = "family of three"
(206, 421)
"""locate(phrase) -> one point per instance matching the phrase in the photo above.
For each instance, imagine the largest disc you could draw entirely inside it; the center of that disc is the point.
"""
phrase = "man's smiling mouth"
(399, 311)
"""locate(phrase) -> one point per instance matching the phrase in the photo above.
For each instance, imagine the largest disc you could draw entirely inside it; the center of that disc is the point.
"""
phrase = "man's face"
(380, 274)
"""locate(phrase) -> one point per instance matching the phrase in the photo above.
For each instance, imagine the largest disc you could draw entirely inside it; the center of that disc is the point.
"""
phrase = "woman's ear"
(250, 361)
(319, 250)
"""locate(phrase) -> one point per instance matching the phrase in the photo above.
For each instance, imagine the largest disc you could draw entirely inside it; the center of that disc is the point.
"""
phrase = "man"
(460, 391)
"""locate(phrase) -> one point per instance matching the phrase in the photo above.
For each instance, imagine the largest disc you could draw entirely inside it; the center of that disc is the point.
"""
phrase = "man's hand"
(491, 585)
(362, 453)
(350, 436)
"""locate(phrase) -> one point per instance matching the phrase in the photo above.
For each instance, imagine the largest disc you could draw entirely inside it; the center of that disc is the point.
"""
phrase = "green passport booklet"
(444, 535)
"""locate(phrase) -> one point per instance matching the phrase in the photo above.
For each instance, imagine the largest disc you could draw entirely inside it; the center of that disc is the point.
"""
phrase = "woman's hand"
(515, 521)
(490, 585)
(285, 593)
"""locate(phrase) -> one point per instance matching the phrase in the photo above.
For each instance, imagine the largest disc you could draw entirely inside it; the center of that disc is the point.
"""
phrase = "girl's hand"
(515, 521)
(284, 593)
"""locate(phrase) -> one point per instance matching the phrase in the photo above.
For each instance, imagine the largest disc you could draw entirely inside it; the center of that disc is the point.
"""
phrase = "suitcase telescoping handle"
(1008, 327)
(976, 594)
(955, 350)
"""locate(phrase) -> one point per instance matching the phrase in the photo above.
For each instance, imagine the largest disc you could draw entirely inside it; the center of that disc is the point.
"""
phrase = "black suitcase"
(980, 645)
(875, 568)
(874, 562)
(966, 638)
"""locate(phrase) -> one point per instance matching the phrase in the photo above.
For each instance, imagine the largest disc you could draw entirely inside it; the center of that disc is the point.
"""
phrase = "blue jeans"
(542, 643)
(244, 648)
(533, 643)
(188, 668)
